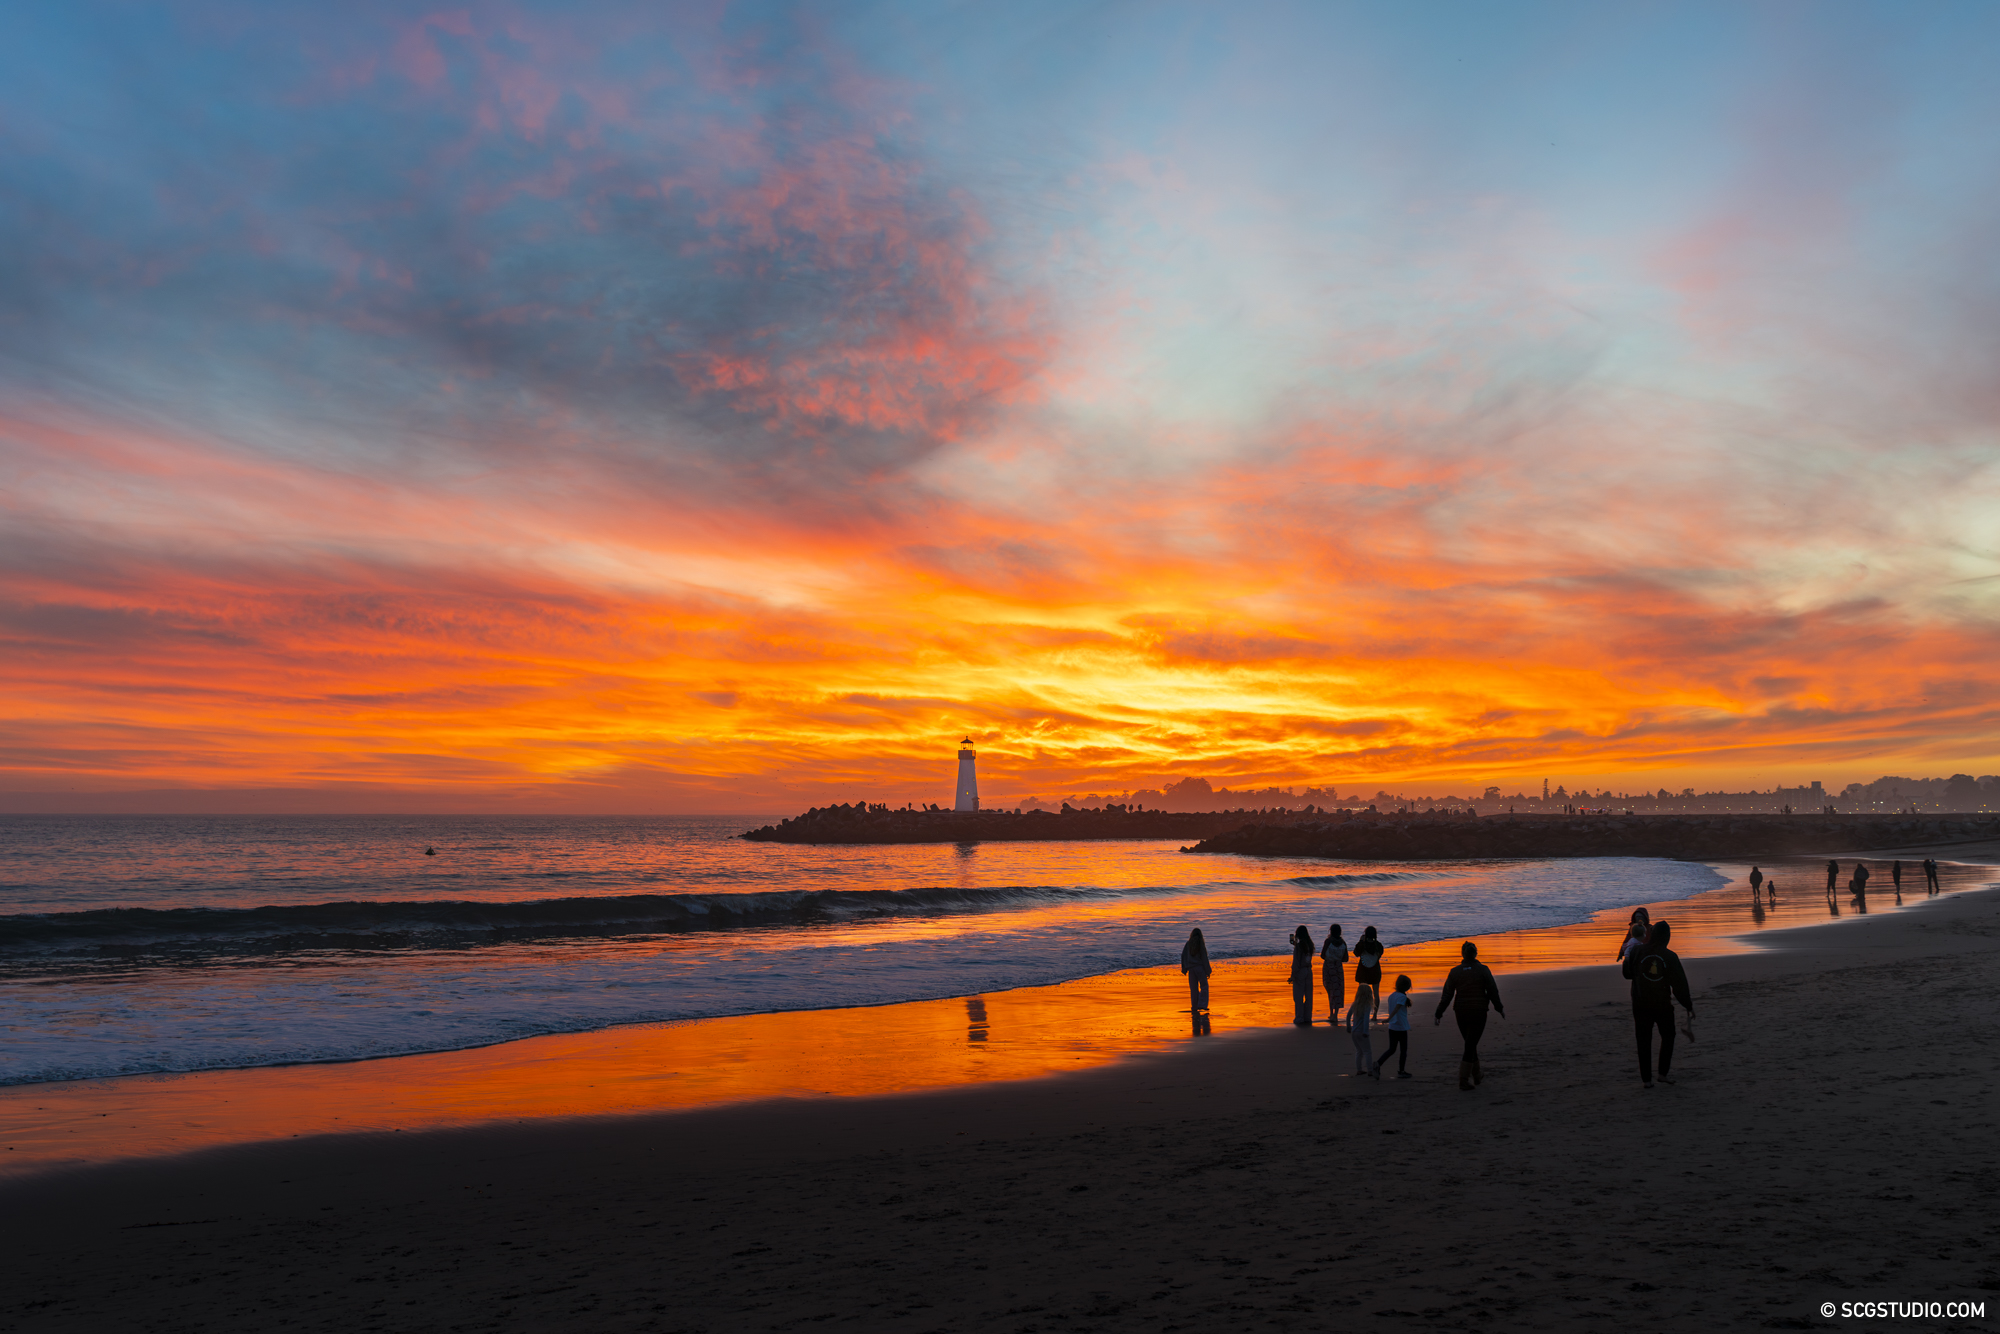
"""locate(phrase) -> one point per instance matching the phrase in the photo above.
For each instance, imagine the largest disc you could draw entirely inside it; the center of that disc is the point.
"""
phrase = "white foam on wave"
(321, 1006)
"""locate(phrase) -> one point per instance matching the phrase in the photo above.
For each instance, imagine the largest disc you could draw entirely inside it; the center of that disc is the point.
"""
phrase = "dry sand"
(1832, 1138)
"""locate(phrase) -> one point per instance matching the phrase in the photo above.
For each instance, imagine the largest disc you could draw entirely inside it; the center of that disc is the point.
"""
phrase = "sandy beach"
(1831, 1138)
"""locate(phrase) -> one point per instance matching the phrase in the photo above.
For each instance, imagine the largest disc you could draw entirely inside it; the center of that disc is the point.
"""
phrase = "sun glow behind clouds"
(595, 411)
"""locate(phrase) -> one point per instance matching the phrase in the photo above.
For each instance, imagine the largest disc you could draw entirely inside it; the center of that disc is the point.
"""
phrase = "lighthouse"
(968, 780)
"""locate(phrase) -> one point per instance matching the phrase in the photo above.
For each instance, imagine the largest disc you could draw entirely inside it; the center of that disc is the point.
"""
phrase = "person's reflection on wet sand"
(1194, 962)
(976, 1029)
(1757, 911)
(1200, 1023)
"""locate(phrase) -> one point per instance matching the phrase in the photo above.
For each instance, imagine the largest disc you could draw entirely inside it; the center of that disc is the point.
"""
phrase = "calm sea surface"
(164, 943)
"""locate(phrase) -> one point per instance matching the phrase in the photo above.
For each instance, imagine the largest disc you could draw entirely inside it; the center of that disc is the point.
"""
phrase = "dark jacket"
(1470, 988)
(1657, 976)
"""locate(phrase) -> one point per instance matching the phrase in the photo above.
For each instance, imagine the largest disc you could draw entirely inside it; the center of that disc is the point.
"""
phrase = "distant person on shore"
(1832, 875)
(1468, 990)
(1194, 962)
(1658, 980)
(1756, 882)
(1635, 933)
(1368, 964)
(1302, 977)
(1859, 884)
(1359, 1015)
(1399, 1029)
(1930, 875)
(1771, 890)
(1896, 877)
(1333, 972)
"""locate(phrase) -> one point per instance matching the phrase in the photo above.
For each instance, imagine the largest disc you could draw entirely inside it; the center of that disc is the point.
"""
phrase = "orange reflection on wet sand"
(1019, 1034)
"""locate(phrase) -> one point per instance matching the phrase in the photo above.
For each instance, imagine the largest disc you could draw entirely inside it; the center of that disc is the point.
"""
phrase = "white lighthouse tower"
(968, 780)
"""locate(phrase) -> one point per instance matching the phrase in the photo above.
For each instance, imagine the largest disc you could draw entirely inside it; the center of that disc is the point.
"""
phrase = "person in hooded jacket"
(1468, 990)
(1658, 980)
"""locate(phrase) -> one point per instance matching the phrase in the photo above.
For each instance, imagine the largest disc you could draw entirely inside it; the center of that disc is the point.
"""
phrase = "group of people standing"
(1469, 992)
(1857, 883)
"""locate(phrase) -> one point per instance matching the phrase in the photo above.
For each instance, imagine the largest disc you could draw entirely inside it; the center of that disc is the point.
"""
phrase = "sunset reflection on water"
(860, 1052)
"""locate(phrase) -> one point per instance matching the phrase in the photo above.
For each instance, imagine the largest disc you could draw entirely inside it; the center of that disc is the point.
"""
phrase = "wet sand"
(1007, 1035)
(1831, 1137)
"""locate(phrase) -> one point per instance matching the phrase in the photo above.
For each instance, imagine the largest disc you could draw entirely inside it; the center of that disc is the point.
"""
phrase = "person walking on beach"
(1930, 875)
(1368, 963)
(1756, 883)
(1771, 889)
(1635, 933)
(1832, 876)
(1896, 877)
(1658, 980)
(1399, 1029)
(1359, 1016)
(1302, 977)
(1468, 990)
(1194, 962)
(1859, 883)
(1333, 972)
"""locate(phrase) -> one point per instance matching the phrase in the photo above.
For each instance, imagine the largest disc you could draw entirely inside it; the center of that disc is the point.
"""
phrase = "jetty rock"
(1426, 837)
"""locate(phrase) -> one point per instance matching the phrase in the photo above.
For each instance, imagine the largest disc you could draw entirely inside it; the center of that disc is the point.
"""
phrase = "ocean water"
(174, 943)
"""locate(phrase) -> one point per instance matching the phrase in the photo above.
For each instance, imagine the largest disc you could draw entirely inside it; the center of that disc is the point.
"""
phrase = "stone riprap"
(1424, 837)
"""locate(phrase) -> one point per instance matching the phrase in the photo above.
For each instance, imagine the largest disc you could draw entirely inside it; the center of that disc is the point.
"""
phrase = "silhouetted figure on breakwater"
(1194, 962)
(1468, 990)
(1302, 977)
(1658, 980)
(1368, 964)
(1333, 972)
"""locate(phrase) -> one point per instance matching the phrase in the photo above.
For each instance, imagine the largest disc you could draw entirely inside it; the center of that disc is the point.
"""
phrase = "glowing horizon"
(729, 408)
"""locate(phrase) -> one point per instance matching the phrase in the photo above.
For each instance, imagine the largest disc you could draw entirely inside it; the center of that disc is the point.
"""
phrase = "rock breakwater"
(1690, 837)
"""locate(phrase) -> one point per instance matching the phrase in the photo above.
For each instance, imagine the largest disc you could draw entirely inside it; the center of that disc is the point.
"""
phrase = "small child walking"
(1359, 1015)
(1399, 1029)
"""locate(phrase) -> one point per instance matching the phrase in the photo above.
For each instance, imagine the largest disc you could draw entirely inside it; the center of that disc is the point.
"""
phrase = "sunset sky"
(728, 407)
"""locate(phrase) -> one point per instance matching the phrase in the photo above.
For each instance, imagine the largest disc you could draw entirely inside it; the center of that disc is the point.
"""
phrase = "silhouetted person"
(1896, 876)
(1771, 888)
(1399, 1028)
(1359, 1015)
(1860, 882)
(1468, 990)
(1756, 882)
(1635, 933)
(1333, 972)
(1194, 962)
(1931, 875)
(1658, 980)
(1302, 977)
(1832, 875)
(1368, 964)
